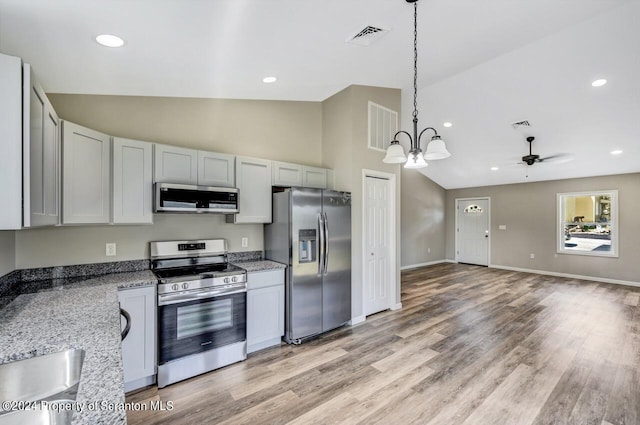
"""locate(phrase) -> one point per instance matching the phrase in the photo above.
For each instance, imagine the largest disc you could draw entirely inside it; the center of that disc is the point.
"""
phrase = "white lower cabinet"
(139, 346)
(265, 309)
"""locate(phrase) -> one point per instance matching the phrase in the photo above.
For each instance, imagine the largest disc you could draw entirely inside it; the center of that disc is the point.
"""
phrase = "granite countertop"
(259, 265)
(82, 312)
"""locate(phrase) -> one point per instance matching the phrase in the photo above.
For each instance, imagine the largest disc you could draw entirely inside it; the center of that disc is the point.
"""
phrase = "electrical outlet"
(245, 242)
(532, 256)
(502, 227)
(428, 250)
(110, 249)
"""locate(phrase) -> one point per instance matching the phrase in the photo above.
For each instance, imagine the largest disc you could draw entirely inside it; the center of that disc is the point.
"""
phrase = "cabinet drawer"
(257, 280)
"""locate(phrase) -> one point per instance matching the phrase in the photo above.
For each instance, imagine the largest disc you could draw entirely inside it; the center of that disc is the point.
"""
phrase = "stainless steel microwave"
(182, 198)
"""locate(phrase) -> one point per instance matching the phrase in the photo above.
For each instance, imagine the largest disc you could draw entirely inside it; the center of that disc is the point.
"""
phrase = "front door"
(472, 241)
(378, 276)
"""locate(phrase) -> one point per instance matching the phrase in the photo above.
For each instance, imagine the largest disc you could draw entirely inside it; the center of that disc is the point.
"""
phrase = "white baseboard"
(568, 275)
(356, 320)
(396, 307)
(429, 263)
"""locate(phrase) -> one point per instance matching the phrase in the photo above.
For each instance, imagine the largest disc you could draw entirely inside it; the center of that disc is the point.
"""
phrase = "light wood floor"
(471, 345)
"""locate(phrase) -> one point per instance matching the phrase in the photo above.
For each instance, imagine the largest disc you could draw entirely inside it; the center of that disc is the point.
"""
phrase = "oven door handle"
(167, 299)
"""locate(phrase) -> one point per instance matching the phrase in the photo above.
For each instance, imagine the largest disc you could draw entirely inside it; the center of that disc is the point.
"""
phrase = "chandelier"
(436, 148)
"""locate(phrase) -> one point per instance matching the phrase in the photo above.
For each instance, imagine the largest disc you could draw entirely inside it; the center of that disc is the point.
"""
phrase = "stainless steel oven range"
(201, 308)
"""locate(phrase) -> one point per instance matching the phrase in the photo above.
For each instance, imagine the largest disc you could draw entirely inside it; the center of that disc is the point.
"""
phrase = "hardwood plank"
(471, 345)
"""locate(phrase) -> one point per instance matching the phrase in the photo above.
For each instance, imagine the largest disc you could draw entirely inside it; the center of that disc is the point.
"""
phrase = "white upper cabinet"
(132, 182)
(286, 174)
(11, 141)
(314, 177)
(41, 133)
(216, 169)
(86, 175)
(175, 165)
(253, 179)
(30, 146)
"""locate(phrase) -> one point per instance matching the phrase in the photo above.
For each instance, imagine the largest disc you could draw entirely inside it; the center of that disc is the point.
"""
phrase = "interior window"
(588, 223)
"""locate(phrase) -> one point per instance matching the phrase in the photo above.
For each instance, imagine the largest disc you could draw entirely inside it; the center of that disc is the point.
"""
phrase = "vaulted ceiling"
(483, 65)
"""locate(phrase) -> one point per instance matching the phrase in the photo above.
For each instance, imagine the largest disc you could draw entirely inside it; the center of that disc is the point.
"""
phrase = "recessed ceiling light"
(599, 83)
(616, 152)
(110, 40)
(447, 124)
(269, 80)
(494, 168)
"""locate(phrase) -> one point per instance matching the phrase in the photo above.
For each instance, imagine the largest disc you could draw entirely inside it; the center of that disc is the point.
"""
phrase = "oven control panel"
(198, 284)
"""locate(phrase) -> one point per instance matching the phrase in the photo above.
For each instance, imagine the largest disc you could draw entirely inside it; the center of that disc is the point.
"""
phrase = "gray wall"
(7, 252)
(344, 149)
(285, 131)
(423, 219)
(278, 130)
(56, 246)
(529, 212)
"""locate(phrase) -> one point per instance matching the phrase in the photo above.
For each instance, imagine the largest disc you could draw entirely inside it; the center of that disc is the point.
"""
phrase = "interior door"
(473, 231)
(378, 274)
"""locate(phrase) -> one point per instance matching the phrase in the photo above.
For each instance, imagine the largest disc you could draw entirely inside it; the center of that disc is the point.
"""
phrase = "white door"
(378, 276)
(175, 165)
(216, 169)
(472, 242)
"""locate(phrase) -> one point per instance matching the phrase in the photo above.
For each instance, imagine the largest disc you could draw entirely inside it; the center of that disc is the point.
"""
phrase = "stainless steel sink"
(53, 378)
(37, 417)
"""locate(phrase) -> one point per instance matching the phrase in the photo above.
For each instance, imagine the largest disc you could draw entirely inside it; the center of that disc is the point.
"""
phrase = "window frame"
(560, 213)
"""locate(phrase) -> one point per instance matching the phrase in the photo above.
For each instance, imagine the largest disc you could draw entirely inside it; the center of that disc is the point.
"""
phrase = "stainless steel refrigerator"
(311, 233)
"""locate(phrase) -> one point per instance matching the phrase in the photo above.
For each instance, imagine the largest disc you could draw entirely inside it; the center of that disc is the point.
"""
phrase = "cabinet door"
(265, 317)
(216, 169)
(86, 175)
(11, 142)
(139, 347)
(175, 165)
(253, 179)
(41, 155)
(132, 181)
(285, 174)
(314, 177)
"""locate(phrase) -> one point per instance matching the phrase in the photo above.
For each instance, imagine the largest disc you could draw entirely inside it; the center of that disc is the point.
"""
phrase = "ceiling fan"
(532, 159)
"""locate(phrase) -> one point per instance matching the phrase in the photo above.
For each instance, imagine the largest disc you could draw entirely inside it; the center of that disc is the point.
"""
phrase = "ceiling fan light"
(395, 154)
(415, 160)
(436, 149)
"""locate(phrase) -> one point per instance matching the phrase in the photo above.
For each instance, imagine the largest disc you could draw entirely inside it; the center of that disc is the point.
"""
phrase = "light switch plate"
(502, 227)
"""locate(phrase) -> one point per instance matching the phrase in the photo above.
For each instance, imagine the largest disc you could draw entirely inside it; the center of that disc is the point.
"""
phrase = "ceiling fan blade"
(557, 158)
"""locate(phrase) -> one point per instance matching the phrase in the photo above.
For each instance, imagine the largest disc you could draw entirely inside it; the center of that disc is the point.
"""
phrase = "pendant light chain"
(415, 59)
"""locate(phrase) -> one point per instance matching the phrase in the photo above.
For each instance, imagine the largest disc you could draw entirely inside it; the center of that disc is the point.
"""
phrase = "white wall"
(7, 252)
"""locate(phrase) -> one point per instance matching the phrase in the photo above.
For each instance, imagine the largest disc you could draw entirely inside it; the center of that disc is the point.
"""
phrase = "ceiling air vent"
(367, 35)
(521, 124)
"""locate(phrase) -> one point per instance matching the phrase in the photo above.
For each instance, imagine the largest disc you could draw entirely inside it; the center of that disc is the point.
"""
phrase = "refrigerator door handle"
(320, 245)
(326, 243)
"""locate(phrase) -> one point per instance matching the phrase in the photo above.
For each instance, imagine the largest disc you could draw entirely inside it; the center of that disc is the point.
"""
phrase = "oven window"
(206, 317)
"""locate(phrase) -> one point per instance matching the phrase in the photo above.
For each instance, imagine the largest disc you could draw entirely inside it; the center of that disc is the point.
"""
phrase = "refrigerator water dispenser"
(307, 245)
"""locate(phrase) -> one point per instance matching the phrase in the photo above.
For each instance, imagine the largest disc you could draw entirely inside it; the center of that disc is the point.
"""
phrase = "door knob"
(372, 253)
